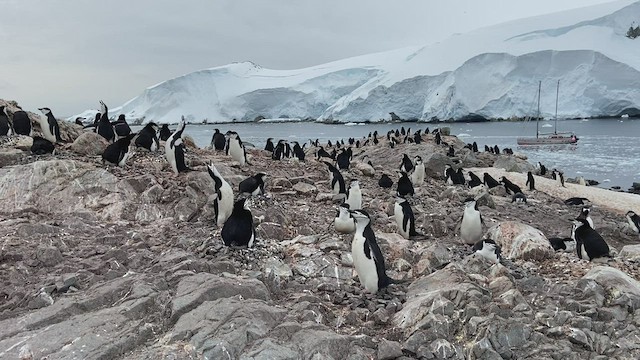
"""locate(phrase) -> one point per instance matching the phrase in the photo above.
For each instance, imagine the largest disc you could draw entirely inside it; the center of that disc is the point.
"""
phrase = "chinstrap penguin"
(471, 223)
(589, 243)
(385, 181)
(417, 177)
(238, 230)
(147, 137)
(22, 123)
(253, 185)
(367, 257)
(405, 187)
(488, 249)
(5, 124)
(336, 181)
(42, 146)
(405, 219)
(174, 149)
(104, 128)
(235, 148)
(165, 132)
(634, 221)
(343, 222)
(118, 152)
(223, 202)
(563, 244)
(218, 141)
(49, 125)
(354, 196)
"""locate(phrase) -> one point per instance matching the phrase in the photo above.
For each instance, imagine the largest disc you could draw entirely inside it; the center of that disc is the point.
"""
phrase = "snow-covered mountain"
(492, 73)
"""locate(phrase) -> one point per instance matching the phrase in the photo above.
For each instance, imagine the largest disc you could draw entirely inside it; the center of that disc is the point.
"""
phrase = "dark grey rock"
(389, 350)
(48, 255)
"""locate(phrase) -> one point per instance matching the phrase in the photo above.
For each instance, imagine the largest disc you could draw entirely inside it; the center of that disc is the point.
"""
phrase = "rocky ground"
(101, 262)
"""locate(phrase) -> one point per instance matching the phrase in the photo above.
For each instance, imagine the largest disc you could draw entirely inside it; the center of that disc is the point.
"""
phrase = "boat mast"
(538, 115)
(555, 129)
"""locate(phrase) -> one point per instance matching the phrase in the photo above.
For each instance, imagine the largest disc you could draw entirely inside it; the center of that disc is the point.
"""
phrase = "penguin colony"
(233, 215)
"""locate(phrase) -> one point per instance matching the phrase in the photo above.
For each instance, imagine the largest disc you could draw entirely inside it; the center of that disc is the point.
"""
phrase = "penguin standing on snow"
(417, 177)
(475, 180)
(634, 221)
(238, 230)
(49, 125)
(589, 243)
(343, 222)
(223, 202)
(336, 181)
(405, 218)
(118, 153)
(235, 148)
(5, 125)
(121, 127)
(104, 128)
(354, 196)
(174, 149)
(405, 187)
(509, 186)
(406, 165)
(165, 132)
(531, 182)
(218, 141)
(148, 138)
(488, 249)
(42, 146)
(22, 123)
(471, 223)
(490, 181)
(385, 181)
(253, 185)
(367, 257)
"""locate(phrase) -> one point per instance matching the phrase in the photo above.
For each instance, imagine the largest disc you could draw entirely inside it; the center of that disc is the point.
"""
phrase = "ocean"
(608, 150)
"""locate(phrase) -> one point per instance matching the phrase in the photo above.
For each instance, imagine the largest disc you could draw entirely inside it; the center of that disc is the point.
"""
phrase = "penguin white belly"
(365, 267)
(336, 187)
(126, 157)
(417, 178)
(225, 204)
(355, 199)
(632, 224)
(399, 216)
(170, 154)
(154, 146)
(585, 256)
(251, 239)
(46, 133)
(236, 152)
(344, 224)
(471, 228)
(590, 221)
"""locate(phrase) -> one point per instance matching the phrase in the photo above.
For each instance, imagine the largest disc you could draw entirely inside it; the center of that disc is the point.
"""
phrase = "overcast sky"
(68, 54)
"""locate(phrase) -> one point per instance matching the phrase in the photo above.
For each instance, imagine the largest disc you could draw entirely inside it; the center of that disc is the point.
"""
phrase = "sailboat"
(554, 138)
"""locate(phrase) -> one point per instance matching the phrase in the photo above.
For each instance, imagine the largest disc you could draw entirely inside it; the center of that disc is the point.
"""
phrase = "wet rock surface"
(104, 262)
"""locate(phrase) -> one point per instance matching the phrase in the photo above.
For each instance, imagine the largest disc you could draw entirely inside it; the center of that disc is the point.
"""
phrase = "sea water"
(608, 150)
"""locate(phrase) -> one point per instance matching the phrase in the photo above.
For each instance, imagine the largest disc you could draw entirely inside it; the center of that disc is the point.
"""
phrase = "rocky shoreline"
(102, 262)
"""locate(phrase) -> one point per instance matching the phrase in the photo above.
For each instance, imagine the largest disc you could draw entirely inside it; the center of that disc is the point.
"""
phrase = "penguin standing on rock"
(298, 151)
(589, 243)
(5, 125)
(584, 214)
(165, 132)
(269, 146)
(354, 196)
(235, 148)
(218, 141)
(238, 230)
(417, 177)
(531, 182)
(223, 202)
(475, 180)
(49, 125)
(488, 249)
(490, 181)
(253, 185)
(343, 222)
(471, 223)
(405, 187)
(367, 257)
(118, 153)
(174, 149)
(405, 219)
(104, 128)
(336, 181)
(147, 137)
(406, 165)
(634, 221)
(22, 123)
(121, 127)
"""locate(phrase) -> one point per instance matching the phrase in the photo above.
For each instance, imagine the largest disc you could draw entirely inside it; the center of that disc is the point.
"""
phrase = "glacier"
(490, 73)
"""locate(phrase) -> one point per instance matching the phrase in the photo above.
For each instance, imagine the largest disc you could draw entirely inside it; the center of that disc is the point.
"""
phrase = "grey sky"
(68, 54)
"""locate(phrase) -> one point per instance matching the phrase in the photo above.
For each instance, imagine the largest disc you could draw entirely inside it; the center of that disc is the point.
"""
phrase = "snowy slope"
(491, 72)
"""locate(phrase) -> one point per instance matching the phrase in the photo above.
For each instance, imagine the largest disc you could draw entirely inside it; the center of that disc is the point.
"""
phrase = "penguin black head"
(45, 110)
(630, 213)
(360, 215)
(261, 176)
(400, 199)
(417, 159)
(121, 117)
(151, 125)
(354, 183)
